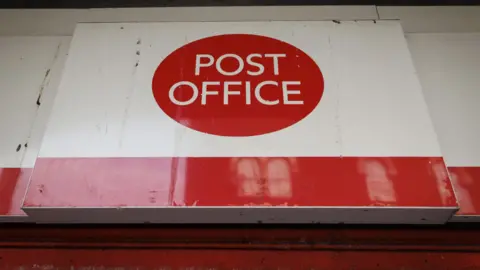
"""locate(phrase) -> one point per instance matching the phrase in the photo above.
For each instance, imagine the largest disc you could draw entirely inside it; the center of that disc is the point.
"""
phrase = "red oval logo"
(238, 85)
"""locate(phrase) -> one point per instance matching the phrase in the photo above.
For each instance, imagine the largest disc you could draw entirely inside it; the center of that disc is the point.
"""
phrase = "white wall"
(449, 68)
(30, 67)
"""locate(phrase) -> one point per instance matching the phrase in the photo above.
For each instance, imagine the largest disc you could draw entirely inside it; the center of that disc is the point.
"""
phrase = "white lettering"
(275, 57)
(287, 92)
(171, 93)
(227, 92)
(260, 67)
(259, 97)
(248, 95)
(199, 64)
(206, 92)
(231, 73)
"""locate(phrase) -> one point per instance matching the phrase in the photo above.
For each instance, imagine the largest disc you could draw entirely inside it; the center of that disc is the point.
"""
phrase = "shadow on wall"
(8, 180)
(13, 183)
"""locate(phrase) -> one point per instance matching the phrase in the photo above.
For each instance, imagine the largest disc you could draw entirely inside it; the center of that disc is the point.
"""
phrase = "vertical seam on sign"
(378, 13)
(131, 90)
(173, 182)
(180, 131)
(337, 95)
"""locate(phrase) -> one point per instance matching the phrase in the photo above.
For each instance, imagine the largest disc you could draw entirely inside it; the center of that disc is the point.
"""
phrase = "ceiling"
(176, 3)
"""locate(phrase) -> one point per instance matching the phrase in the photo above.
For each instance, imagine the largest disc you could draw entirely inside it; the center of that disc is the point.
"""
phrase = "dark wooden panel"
(24, 246)
(172, 259)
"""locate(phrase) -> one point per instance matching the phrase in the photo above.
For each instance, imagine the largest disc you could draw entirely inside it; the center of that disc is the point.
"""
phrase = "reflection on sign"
(261, 176)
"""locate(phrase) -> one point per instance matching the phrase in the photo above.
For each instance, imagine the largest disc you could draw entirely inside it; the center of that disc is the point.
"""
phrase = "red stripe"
(466, 181)
(13, 184)
(223, 181)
